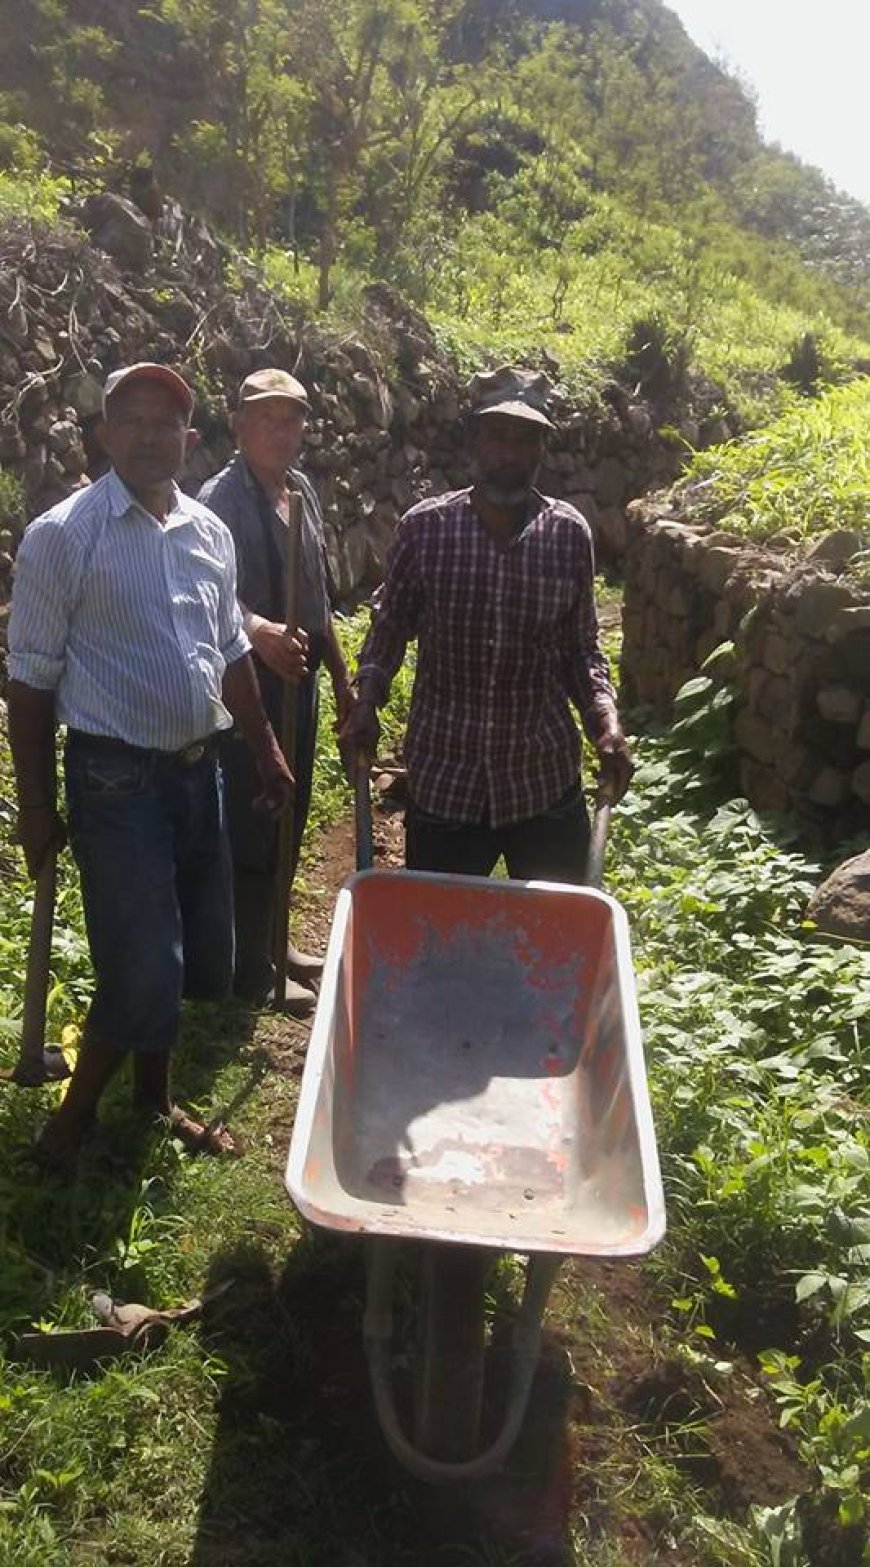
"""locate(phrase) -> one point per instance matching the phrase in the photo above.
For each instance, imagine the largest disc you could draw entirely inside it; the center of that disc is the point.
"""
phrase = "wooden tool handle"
(287, 740)
(365, 851)
(31, 1054)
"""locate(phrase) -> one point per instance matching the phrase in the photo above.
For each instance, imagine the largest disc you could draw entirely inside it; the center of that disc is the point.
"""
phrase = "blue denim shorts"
(149, 837)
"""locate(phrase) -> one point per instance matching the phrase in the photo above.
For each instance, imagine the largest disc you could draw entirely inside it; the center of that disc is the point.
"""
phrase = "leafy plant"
(803, 475)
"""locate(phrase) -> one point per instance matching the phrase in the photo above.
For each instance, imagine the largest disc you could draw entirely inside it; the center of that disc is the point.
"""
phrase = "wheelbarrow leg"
(452, 1349)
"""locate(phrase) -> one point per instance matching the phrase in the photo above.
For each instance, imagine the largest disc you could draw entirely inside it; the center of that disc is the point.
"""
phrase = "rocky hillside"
(109, 287)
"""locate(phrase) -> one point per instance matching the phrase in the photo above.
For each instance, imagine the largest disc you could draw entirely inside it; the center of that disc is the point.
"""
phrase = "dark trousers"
(552, 846)
(254, 836)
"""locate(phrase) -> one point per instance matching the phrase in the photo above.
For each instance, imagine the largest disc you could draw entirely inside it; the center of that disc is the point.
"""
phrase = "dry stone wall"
(388, 404)
(801, 631)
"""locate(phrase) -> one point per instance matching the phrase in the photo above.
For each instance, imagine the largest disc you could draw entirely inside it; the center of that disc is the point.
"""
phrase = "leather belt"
(188, 756)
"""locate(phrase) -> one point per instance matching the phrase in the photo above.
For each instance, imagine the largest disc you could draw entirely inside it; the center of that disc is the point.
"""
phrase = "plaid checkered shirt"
(507, 641)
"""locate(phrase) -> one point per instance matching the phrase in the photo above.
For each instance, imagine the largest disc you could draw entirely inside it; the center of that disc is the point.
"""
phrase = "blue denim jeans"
(552, 846)
(149, 837)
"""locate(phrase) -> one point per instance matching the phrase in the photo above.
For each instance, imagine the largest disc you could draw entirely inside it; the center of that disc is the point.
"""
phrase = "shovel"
(122, 1327)
(38, 1062)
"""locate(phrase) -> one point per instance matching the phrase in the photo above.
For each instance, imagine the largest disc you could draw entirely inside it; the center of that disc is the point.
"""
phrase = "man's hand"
(283, 651)
(345, 700)
(615, 764)
(276, 795)
(359, 735)
(243, 701)
(39, 830)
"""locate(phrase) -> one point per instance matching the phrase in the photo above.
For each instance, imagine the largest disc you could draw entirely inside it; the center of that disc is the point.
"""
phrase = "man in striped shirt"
(125, 628)
(495, 583)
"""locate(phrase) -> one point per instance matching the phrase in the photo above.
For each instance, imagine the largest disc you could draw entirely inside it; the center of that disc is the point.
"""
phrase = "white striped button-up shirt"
(130, 623)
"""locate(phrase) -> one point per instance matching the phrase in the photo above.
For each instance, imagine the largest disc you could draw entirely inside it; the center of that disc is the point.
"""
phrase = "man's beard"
(507, 490)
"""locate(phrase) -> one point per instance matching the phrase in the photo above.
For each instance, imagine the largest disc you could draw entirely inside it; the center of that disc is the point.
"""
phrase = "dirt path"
(619, 1400)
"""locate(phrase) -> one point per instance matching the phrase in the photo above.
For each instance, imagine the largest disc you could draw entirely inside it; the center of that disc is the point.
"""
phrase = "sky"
(807, 62)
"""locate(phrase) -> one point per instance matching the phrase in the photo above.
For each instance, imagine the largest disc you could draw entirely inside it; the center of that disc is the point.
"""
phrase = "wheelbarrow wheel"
(452, 1348)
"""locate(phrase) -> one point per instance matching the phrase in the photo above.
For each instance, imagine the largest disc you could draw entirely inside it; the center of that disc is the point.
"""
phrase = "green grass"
(803, 475)
(728, 305)
(33, 196)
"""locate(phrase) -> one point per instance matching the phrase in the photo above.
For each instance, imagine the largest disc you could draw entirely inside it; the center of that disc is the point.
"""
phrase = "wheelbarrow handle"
(598, 839)
(365, 849)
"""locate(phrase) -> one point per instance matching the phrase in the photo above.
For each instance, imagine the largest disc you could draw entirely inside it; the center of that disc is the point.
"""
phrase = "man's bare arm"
(31, 737)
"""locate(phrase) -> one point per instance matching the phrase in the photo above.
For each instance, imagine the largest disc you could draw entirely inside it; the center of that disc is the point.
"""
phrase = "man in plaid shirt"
(495, 583)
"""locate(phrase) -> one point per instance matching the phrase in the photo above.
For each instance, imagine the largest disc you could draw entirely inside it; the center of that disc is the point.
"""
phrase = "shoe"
(303, 966)
(299, 1000)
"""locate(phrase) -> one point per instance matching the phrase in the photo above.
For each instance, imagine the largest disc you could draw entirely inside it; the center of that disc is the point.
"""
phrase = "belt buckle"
(192, 753)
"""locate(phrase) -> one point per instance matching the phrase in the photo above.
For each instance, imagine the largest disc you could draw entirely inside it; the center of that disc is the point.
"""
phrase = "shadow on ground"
(300, 1475)
(55, 1228)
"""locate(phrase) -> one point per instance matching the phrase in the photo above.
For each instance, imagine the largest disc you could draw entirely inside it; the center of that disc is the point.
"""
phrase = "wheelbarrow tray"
(476, 1073)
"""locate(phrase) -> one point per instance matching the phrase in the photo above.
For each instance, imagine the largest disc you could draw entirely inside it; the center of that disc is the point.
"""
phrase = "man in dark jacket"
(251, 495)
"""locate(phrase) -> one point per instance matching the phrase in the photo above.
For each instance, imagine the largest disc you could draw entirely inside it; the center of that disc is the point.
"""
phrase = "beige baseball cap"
(146, 371)
(272, 383)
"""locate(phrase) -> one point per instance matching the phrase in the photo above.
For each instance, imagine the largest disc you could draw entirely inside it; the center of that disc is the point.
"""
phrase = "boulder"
(836, 549)
(840, 906)
(84, 393)
(119, 228)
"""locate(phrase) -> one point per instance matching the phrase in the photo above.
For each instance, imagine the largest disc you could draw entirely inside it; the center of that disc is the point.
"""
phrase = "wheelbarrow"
(475, 1083)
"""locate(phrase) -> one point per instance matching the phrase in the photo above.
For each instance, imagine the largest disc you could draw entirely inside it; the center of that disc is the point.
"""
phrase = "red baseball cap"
(146, 371)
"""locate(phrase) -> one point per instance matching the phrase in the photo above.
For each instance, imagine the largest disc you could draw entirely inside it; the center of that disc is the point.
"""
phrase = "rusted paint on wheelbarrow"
(476, 1073)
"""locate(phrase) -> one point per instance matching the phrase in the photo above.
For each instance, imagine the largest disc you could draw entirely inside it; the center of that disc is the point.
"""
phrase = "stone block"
(715, 564)
(830, 787)
(611, 530)
(769, 696)
(840, 906)
(836, 548)
(63, 434)
(861, 782)
(609, 482)
(852, 661)
(817, 606)
(586, 504)
(796, 765)
(724, 620)
(756, 738)
(84, 393)
(840, 704)
(119, 228)
(854, 617)
(762, 786)
(675, 636)
(679, 534)
(648, 578)
(776, 653)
